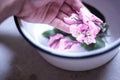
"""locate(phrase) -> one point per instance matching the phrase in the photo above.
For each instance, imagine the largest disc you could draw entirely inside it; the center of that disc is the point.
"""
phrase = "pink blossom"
(78, 29)
(59, 42)
(62, 44)
(89, 39)
(94, 29)
(83, 28)
(86, 16)
(71, 44)
(85, 33)
(75, 30)
(54, 40)
(81, 38)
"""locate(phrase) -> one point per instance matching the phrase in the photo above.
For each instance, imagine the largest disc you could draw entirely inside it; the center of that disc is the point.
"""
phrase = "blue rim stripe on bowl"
(62, 56)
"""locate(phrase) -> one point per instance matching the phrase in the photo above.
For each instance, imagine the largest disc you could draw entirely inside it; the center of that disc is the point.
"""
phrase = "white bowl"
(76, 60)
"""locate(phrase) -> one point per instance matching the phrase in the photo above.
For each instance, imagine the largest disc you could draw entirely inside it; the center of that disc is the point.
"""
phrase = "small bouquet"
(86, 30)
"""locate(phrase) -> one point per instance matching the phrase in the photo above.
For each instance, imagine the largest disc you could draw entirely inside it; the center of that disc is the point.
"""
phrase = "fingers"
(76, 4)
(67, 9)
(52, 12)
(58, 23)
(61, 15)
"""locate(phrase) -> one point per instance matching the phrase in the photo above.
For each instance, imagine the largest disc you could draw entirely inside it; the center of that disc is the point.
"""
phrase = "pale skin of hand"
(49, 12)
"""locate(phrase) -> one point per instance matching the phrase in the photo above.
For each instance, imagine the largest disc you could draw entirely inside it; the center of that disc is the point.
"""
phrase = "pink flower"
(89, 39)
(86, 16)
(81, 38)
(71, 44)
(75, 30)
(93, 29)
(59, 42)
(96, 19)
(54, 41)
(78, 29)
(85, 33)
(83, 28)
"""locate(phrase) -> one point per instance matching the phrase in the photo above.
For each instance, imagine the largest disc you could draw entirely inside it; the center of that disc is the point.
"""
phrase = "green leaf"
(71, 37)
(48, 33)
(61, 32)
(99, 44)
(54, 31)
(64, 33)
(104, 29)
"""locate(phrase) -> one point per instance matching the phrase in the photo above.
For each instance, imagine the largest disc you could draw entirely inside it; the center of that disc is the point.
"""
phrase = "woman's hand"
(50, 12)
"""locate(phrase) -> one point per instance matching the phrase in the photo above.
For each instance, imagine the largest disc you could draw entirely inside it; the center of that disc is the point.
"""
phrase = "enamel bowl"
(76, 60)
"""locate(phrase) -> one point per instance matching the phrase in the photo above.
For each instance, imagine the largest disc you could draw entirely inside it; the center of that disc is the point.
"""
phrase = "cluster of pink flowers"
(84, 26)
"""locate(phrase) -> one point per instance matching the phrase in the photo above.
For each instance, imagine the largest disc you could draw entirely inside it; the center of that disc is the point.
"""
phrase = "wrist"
(10, 8)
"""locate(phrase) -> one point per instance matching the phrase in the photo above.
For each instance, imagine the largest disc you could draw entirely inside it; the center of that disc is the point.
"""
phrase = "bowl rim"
(117, 44)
